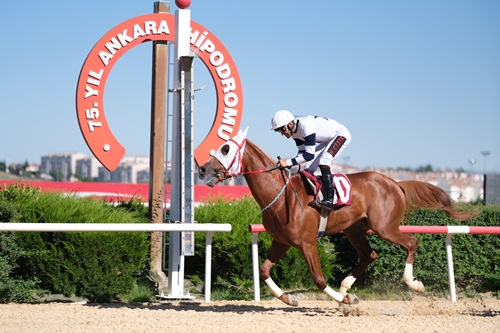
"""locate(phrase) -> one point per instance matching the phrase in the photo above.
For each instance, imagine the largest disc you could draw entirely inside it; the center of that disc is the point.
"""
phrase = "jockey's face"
(286, 130)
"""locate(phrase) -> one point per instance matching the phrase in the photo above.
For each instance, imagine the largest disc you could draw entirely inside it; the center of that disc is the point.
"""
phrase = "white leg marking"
(410, 279)
(408, 274)
(277, 292)
(347, 284)
(335, 294)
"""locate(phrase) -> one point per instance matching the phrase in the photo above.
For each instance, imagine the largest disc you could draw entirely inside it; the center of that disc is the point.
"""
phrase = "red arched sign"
(120, 39)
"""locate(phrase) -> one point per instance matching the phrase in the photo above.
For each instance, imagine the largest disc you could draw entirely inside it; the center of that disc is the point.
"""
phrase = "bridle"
(239, 170)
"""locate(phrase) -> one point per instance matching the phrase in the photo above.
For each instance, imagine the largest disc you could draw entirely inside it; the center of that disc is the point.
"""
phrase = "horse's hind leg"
(276, 252)
(410, 244)
(356, 234)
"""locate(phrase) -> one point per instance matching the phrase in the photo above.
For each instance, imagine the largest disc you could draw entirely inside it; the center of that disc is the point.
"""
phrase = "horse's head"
(225, 161)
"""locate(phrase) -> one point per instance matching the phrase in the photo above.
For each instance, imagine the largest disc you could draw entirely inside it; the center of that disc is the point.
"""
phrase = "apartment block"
(66, 163)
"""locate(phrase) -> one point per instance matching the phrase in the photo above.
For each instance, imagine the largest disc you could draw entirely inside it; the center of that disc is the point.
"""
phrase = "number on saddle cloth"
(341, 185)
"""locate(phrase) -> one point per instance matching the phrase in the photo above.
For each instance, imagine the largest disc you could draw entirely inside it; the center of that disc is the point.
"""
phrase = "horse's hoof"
(418, 286)
(350, 299)
(289, 300)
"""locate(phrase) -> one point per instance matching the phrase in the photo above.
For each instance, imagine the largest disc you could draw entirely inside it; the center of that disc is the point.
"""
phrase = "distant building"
(103, 175)
(143, 176)
(466, 193)
(135, 160)
(492, 189)
(33, 168)
(66, 163)
(461, 186)
(87, 167)
(127, 171)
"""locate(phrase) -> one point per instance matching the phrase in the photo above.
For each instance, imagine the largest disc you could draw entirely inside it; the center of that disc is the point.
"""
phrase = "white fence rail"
(255, 229)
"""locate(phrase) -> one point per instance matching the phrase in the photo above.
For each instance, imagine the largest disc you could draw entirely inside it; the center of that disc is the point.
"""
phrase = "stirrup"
(315, 203)
(328, 205)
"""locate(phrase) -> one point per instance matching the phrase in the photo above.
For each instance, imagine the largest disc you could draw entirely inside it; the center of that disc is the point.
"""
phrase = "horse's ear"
(245, 132)
(242, 134)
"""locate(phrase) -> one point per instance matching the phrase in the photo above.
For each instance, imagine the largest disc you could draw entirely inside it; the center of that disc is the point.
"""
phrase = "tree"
(57, 175)
(427, 168)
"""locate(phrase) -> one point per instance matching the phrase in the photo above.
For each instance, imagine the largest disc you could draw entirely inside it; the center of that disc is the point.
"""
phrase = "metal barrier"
(255, 229)
(209, 228)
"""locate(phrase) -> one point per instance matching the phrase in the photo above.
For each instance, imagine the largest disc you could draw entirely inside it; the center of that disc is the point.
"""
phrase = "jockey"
(332, 138)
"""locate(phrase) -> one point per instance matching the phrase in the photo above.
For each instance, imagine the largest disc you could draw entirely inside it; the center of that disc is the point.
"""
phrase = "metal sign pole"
(182, 203)
(106, 148)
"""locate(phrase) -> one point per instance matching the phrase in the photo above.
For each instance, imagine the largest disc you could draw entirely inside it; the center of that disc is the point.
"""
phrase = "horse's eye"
(225, 150)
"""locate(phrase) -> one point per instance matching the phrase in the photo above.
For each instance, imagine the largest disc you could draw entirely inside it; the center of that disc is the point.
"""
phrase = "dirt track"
(423, 314)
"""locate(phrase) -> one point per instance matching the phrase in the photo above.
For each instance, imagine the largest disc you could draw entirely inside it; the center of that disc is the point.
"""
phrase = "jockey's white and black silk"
(312, 130)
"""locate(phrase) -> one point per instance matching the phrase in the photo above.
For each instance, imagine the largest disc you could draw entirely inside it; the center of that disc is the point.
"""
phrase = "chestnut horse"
(378, 203)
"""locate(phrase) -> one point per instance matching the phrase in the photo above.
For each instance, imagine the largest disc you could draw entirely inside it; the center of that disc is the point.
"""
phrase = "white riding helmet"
(281, 118)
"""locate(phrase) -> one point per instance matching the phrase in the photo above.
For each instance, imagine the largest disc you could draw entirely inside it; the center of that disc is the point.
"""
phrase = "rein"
(288, 180)
(280, 193)
(260, 171)
(238, 158)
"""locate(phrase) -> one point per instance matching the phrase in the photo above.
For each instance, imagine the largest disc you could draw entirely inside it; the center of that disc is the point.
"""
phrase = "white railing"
(255, 229)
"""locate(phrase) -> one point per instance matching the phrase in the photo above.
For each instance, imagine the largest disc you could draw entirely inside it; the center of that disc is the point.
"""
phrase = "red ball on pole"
(183, 4)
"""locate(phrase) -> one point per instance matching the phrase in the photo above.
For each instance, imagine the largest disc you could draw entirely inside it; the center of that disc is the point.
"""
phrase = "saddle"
(341, 185)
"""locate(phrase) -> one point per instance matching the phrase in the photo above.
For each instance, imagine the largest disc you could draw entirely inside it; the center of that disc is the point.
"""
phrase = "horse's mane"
(260, 150)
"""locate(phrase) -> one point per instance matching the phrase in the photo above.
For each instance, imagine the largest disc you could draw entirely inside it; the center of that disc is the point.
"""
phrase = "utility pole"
(485, 154)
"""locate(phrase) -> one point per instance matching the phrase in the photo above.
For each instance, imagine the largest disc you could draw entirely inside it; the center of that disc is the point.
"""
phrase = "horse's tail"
(425, 195)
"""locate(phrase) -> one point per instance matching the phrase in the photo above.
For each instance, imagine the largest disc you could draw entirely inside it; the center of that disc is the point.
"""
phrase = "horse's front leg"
(276, 252)
(310, 253)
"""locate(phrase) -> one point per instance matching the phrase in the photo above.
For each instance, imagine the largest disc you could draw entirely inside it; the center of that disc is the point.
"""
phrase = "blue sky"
(416, 82)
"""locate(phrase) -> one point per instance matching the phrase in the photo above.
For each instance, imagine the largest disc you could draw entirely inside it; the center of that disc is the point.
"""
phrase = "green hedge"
(102, 266)
(97, 265)
(15, 289)
(476, 258)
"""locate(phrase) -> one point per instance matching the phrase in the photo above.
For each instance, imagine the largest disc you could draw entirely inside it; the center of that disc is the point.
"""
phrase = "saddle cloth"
(341, 184)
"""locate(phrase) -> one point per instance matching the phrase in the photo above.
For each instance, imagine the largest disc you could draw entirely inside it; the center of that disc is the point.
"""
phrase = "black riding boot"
(327, 191)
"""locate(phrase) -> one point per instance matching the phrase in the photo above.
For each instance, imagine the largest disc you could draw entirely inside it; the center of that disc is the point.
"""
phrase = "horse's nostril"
(201, 171)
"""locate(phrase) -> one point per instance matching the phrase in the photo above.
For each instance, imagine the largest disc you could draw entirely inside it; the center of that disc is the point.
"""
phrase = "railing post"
(255, 263)
(451, 273)
(208, 265)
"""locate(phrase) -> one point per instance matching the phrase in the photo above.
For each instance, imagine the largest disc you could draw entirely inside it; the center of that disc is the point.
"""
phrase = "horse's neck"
(263, 185)
(255, 159)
